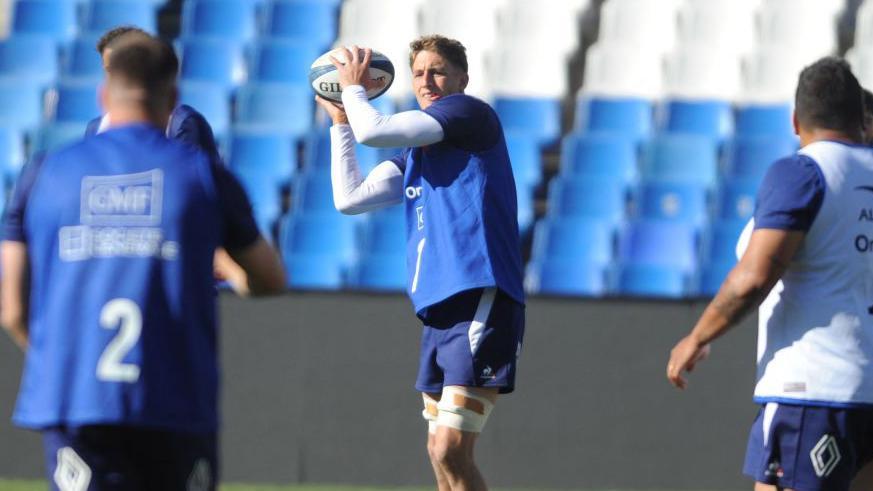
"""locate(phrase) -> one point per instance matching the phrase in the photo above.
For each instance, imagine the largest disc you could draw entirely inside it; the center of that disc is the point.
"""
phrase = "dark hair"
(144, 63)
(829, 97)
(115, 33)
(450, 49)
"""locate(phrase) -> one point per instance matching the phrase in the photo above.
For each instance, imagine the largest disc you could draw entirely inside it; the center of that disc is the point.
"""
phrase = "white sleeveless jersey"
(815, 329)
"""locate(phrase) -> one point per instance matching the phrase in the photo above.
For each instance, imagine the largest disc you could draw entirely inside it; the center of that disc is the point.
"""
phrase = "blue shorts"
(98, 458)
(809, 448)
(471, 339)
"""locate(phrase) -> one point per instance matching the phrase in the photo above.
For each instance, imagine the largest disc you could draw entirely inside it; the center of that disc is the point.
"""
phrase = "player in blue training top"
(107, 284)
(185, 123)
(463, 259)
(808, 265)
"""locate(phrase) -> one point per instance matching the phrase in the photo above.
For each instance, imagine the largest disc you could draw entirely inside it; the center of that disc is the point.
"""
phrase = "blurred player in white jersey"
(464, 258)
(813, 235)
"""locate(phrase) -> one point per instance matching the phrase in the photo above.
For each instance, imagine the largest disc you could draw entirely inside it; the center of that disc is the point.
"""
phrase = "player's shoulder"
(184, 111)
(463, 101)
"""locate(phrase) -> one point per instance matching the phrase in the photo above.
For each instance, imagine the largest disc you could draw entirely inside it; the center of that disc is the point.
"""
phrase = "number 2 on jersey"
(124, 315)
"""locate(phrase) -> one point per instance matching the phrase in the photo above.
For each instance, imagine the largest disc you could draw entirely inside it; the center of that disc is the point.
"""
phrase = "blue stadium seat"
(720, 240)
(210, 100)
(53, 135)
(538, 117)
(713, 119)
(311, 235)
(270, 153)
(385, 233)
(764, 120)
(82, 59)
(737, 198)
(76, 101)
(102, 15)
(214, 60)
(285, 61)
(681, 157)
(599, 154)
(561, 276)
(314, 271)
(672, 201)
(33, 59)
(11, 153)
(629, 117)
(313, 195)
(285, 107)
(312, 21)
(264, 194)
(751, 156)
(653, 281)
(712, 275)
(20, 105)
(317, 153)
(381, 272)
(595, 197)
(524, 196)
(53, 18)
(228, 19)
(581, 239)
(659, 243)
(524, 154)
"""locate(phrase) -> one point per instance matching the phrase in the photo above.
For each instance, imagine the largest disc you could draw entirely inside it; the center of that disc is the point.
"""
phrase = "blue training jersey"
(461, 207)
(120, 230)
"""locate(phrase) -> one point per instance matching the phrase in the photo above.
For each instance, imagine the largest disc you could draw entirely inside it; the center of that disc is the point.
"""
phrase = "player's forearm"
(742, 292)
(351, 193)
(405, 129)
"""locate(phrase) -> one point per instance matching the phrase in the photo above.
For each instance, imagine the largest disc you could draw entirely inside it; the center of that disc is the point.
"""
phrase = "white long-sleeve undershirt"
(383, 186)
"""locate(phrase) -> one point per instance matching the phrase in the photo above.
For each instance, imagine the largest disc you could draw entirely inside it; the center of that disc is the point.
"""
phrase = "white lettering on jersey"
(413, 192)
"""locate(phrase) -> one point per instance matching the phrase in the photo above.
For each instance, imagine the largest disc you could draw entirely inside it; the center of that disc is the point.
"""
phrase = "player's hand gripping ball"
(324, 78)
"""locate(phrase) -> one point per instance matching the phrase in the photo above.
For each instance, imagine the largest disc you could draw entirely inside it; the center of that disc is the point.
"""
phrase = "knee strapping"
(430, 413)
(462, 410)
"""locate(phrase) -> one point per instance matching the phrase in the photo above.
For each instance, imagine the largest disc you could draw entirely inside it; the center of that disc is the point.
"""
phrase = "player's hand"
(687, 353)
(357, 70)
(335, 110)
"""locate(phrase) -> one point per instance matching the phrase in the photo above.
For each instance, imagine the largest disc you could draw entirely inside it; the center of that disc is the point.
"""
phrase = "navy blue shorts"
(471, 339)
(809, 448)
(98, 458)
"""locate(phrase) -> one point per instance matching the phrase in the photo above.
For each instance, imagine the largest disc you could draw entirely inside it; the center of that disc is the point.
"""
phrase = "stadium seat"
(285, 61)
(599, 154)
(712, 275)
(617, 69)
(102, 15)
(385, 232)
(771, 71)
(32, 59)
(75, 101)
(737, 198)
(313, 195)
(317, 153)
(600, 198)
(566, 277)
(210, 100)
(713, 119)
(719, 24)
(582, 239)
(54, 135)
(672, 201)
(700, 72)
(652, 281)
(284, 107)
(526, 213)
(310, 21)
(659, 243)
(214, 60)
(506, 78)
(314, 271)
(630, 117)
(329, 244)
(228, 19)
(750, 157)
(473, 22)
(53, 18)
(82, 59)
(380, 272)
(681, 157)
(720, 240)
(362, 24)
(264, 194)
(20, 105)
(524, 155)
(764, 120)
(538, 117)
(649, 25)
(549, 24)
(270, 153)
(11, 153)
(804, 25)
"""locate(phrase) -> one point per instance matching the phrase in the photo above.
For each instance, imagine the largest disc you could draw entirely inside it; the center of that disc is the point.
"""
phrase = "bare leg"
(441, 479)
(759, 486)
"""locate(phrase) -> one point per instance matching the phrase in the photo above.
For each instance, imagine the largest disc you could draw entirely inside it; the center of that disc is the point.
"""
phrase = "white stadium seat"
(543, 74)
(861, 59)
(770, 73)
(722, 24)
(864, 25)
(805, 25)
(702, 72)
(651, 24)
(614, 69)
(550, 24)
(472, 22)
(380, 24)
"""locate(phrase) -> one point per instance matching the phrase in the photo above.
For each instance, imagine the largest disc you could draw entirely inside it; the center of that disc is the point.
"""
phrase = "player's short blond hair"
(450, 49)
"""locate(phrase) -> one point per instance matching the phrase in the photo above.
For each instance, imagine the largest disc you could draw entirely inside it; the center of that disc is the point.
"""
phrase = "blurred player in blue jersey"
(809, 265)
(107, 284)
(463, 259)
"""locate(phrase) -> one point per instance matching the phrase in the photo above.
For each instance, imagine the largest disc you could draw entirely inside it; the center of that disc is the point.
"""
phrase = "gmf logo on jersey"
(825, 456)
(126, 199)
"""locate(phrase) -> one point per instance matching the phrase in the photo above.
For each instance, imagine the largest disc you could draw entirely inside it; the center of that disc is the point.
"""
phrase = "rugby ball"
(324, 78)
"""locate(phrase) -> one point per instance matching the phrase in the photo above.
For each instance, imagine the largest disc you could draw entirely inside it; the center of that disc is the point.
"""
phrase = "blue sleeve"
(240, 228)
(467, 122)
(790, 195)
(400, 160)
(13, 216)
(191, 127)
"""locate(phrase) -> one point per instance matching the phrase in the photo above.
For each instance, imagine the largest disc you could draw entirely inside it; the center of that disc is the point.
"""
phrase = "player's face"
(434, 77)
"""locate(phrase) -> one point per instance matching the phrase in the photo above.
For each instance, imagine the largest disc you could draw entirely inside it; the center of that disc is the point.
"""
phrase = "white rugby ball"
(324, 77)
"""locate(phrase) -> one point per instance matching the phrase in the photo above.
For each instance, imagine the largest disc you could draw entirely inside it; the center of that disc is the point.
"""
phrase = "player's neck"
(823, 134)
(129, 115)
